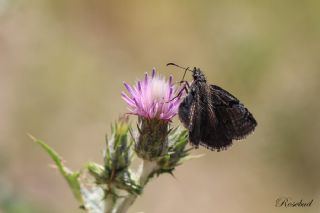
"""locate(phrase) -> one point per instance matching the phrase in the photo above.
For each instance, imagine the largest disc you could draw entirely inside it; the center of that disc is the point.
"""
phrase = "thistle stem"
(109, 204)
(147, 168)
(145, 171)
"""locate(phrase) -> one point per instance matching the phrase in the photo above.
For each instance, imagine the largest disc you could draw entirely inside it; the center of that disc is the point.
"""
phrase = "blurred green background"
(62, 63)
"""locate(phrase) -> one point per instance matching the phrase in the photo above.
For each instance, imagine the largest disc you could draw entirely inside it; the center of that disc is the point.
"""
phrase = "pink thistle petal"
(127, 99)
(146, 79)
(137, 104)
(129, 88)
(170, 80)
(152, 97)
(153, 72)
(170, 93)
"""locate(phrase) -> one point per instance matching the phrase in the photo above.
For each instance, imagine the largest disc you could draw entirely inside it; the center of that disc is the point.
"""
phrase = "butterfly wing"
(195, 123)
(214, 117)
(190, 115)
(233, 120)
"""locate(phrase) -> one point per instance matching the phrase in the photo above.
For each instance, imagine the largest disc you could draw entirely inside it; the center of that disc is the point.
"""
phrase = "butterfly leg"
(186, 84)
(184, 88)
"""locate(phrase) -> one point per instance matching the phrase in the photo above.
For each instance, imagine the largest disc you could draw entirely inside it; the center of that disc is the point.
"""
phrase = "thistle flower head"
(153, 97)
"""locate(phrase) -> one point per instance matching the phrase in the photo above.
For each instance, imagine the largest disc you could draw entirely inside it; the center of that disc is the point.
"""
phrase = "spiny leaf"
(70, 177)
(190, 157)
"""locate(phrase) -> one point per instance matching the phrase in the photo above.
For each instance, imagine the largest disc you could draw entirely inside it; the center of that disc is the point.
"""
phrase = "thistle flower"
(153, 98)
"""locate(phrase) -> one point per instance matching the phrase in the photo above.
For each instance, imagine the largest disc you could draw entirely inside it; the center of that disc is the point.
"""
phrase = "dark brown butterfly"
(212, 115)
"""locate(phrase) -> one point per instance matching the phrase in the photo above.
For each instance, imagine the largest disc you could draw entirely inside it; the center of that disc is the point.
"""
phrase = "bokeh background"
(62, 63)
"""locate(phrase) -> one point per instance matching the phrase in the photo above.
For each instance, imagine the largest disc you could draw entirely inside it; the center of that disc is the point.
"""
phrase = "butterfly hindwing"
(233, 117)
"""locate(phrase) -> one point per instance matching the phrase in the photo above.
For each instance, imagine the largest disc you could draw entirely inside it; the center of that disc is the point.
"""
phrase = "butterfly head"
(198, 75)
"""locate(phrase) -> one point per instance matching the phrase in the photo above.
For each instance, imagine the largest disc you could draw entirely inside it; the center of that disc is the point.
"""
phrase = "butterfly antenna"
(176, 65)
(185, 69)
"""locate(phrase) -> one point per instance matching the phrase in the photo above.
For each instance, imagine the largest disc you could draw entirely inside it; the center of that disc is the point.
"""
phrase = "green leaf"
(70, 177)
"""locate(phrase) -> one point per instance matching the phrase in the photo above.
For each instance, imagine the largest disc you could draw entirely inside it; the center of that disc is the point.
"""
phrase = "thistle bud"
(153, 139)
(118, 154)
